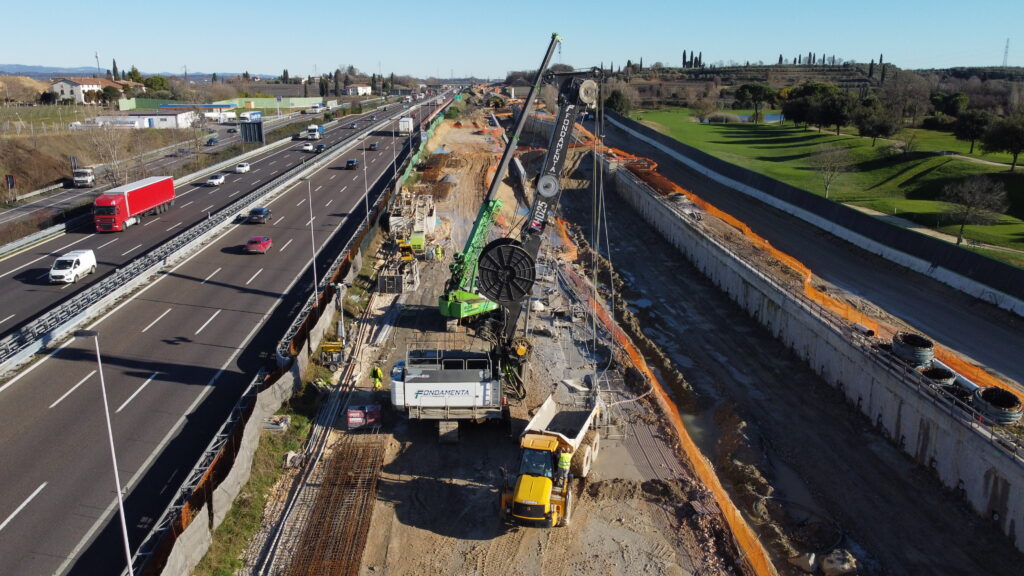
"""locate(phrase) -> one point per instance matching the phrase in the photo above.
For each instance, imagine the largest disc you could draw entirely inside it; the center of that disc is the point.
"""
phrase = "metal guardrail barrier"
(50, 326)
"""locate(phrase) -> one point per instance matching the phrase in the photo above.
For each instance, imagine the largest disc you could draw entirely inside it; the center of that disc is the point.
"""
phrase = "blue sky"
(437, 38)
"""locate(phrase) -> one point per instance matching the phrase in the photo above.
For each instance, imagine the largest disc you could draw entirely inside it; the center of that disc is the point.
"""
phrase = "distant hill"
(21, 88)
(45, 71)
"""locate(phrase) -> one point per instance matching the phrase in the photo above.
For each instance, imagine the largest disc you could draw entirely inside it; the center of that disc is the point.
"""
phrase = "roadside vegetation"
(884, 177)
(243, 521)
(899, 142)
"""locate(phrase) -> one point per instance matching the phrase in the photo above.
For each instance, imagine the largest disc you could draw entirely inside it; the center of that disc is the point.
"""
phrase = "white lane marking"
(211, 192)
(328, 202)
(272, 162)
(23, 265)
(125, 253)
(233, 193)
(300, 202)
(343, 188)
(6, 319)
(285, 246)
(255, 170)
(215, 314)
(254, 276)
(275, 172)
(183, 205)
(317, 189)
(256, 182)
(73, 388)
(75, 242)
(173, 432)
(277, 221)
(210, 276)
(207, 209)
(108, 243)
(22, 507)
(152, 221)
(332, 176)
(175, 226)
(132, 397)
(150, 325)
(59, 250)
(310, 221)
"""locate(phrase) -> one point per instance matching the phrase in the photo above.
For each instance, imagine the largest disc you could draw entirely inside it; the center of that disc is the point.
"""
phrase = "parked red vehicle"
(121, 207)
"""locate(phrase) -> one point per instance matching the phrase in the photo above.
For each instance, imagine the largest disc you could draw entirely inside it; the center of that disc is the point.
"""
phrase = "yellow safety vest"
(563, 460)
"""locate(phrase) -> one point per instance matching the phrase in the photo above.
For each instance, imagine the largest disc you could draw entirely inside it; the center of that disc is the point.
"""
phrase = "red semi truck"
(123, 206)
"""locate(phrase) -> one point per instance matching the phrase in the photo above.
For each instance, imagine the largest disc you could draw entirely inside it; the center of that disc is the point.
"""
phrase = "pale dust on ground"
(437, 506)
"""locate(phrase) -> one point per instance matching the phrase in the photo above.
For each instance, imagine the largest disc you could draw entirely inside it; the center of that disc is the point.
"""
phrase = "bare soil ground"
(807, 468)
(437, 511)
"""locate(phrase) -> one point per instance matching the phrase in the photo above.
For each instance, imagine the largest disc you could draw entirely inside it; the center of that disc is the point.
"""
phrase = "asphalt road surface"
(24, 276)
(958, 321)
(175, 357)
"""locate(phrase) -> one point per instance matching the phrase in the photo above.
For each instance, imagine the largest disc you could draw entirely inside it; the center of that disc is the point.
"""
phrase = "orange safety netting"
(645, 169)
(570, 251)
(746, 540)
(646, 172)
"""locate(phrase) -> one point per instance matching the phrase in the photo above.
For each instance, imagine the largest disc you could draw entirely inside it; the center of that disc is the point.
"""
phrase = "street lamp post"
(366, 189)
(110, 435)
(312, 243)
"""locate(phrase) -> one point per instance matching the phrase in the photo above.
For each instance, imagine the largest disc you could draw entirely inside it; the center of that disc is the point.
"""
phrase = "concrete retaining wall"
(945, 275)
(970, 458)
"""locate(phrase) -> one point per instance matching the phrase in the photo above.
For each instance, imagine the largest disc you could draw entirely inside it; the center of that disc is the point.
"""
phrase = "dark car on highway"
(320, 148)
(260, 215)
(352, 164)
(373, 145)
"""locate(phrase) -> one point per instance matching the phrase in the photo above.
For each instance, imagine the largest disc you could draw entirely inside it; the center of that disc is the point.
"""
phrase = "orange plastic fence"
(645, 169)
(570, 248)
(665, 186)
(746, 540)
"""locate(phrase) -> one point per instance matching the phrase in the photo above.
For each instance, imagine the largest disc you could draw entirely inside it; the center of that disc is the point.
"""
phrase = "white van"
(72, 266)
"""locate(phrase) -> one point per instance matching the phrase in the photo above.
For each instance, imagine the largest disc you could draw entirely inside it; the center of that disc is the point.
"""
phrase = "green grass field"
(879, 179)
(52, 116)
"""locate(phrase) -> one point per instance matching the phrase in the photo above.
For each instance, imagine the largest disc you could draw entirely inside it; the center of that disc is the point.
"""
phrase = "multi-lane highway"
(175, 358)
(23, 277)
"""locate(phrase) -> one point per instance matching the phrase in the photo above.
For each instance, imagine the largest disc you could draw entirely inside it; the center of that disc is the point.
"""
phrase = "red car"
(258, 245)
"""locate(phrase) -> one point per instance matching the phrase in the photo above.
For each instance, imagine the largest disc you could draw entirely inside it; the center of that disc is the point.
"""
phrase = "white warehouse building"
(149, 119)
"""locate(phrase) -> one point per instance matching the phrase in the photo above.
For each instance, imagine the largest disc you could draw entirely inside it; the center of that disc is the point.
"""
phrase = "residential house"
(76, 88)
(359, 90)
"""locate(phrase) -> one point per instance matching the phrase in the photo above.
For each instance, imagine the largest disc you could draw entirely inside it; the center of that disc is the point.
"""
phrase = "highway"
(23, 277)
(176, 356)
(155, 161)
(955, 320)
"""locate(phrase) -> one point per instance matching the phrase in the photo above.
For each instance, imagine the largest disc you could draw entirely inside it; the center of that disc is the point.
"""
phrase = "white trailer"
(405, 125)
(448, 386)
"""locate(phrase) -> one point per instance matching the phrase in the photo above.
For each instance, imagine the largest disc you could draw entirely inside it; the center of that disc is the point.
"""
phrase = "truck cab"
(84, 177)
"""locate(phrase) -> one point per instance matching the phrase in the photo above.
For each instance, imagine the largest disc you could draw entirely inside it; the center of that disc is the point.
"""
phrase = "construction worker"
(439, 252)
(564, 457)
(377, 374)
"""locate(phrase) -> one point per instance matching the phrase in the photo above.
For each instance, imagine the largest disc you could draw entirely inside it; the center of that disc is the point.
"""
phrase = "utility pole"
(97, 55)
(1006, 52)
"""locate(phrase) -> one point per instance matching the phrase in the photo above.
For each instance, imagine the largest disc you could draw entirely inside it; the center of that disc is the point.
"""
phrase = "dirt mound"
(22, 88)
(666, 492)
(615, 489)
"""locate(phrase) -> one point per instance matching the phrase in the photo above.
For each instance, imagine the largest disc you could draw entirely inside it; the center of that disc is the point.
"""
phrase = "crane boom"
(508, 267)
(461, 298)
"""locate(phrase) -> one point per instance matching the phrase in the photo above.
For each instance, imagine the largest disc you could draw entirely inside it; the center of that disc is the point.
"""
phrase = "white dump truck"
(448, 386)
(564, 424)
